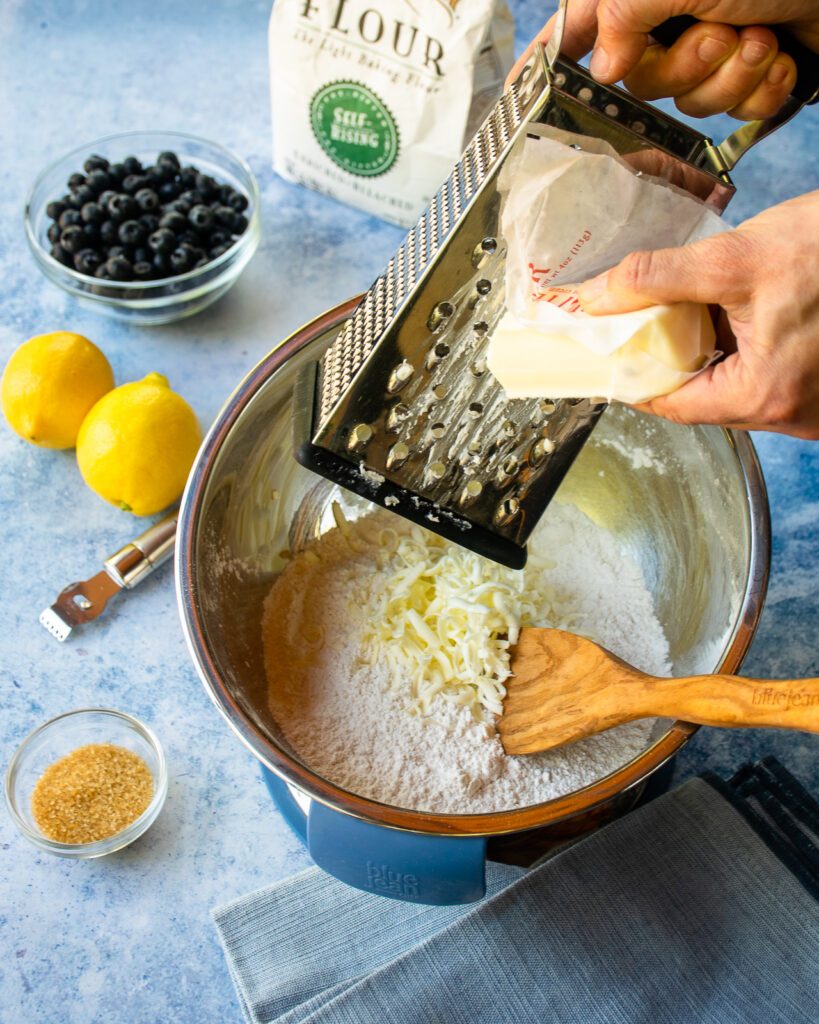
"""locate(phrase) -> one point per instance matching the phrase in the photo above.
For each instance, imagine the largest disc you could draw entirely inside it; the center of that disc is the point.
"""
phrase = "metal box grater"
(401, 409)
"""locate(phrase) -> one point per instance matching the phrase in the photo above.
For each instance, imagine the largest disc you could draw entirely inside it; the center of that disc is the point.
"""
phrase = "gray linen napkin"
(680, 912)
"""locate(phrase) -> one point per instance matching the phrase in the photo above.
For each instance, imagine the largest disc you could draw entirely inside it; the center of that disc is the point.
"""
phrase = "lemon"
(50, 383)
(136, 446)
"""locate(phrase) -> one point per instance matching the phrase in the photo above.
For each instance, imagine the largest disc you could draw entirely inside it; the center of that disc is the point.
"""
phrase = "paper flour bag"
(572, 208)
(373, 104)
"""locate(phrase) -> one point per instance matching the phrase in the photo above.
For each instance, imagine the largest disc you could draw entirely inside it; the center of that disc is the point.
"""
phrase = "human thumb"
(708, 271)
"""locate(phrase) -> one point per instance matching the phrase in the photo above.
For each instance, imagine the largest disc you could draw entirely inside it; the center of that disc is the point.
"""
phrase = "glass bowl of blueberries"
(147, 227)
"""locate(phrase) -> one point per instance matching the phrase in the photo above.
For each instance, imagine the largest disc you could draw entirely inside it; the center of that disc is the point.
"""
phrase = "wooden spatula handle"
(727, 701)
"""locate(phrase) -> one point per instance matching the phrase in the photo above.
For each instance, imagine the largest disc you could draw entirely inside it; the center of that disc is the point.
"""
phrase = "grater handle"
(806, 89)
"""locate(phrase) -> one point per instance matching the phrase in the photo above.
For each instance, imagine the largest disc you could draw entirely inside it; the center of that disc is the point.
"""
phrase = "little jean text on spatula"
(564, 688)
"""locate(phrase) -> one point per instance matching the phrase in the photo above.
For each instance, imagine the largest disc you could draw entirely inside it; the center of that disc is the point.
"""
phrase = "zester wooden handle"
(729, 701)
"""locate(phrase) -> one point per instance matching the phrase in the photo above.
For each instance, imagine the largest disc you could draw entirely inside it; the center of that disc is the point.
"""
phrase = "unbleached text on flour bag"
(373, 103)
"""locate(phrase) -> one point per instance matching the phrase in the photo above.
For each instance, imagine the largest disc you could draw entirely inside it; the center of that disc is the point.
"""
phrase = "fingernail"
(777, 73)
(591, 291)
(712, 49)
(754, 52)
(599, 63)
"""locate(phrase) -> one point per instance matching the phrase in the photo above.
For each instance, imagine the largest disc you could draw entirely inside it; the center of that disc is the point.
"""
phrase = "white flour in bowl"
(359, 724)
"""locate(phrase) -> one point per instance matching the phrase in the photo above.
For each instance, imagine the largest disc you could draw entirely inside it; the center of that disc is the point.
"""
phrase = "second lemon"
(137, 444)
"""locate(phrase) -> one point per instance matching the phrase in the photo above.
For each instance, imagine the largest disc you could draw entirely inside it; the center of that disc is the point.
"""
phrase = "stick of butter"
(558, 351)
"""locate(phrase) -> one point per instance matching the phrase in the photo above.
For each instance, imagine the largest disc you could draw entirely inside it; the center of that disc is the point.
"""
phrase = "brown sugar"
(91, 793)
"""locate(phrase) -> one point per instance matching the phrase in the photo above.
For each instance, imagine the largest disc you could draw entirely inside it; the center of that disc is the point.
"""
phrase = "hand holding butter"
(572, 209)
(557, 351)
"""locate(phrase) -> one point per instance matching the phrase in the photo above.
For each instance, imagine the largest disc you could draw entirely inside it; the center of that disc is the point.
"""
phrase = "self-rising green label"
(354, 128)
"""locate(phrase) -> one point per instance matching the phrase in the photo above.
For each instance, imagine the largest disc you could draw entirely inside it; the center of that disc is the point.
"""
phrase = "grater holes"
(540, 449)
(439, 317)
(396, 417)
(612, 110)
(436, 471)
(507, 470)
(399, 376)
(437, 353)
(359, 437)
(437, 430)
(478, 368)
(508, 428)
(397, 455)
(481, 328)
(506, 511)
(483, 250)
(474, 410)
(470, 492)
(483, 287)
(586, 95)
(440, 391)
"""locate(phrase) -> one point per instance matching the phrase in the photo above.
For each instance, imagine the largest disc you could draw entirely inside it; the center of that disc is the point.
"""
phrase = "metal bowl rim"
(486, 824)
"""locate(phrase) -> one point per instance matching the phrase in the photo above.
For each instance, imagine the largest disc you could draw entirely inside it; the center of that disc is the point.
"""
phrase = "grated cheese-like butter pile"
(448, 617)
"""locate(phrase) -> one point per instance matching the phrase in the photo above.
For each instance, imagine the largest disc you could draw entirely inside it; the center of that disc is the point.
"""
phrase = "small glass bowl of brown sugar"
(87, 783)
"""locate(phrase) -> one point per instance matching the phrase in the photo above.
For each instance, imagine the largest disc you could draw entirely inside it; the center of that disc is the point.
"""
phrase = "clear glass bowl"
(146, 303)
(58, 737)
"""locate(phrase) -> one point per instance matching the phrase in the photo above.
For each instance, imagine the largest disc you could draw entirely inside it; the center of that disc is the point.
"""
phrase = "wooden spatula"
(564, 688)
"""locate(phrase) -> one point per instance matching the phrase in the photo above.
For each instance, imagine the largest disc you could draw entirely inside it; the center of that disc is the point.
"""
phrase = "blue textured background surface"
(129, 938)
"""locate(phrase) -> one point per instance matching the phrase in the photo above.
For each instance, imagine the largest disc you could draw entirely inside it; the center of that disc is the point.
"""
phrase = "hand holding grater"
(401, 408)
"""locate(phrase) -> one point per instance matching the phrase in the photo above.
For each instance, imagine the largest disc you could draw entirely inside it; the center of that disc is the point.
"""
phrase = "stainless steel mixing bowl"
(688, 504)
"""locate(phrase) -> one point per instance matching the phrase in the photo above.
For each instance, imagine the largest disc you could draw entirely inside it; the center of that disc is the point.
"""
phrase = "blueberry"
(147, 199)
(180, 259)
(132, 165)
(86, 261)
(237, 201)
(206, 185)
(162, 241)
(69, 217)
(122, 207)
(62, 256)
(104, 197)
(76, 180)
(108, 232)
(187, 177)
(92, 234)
(219, 238)
(201, 262)
(131, 232)
(117, 171)
(162, 266)
(102, 272)
(143, 270)
(217, 250)
(55, 208)
(174, 221)
(192, 196)
(179, 206)
(53, 233)
(119, 250)
(95, 162)
(160, 173)
(168, 159)
(201, 218)
(241, 225)
(119, 268)
(92, 213)
(98, 181)
(192, 238)
(169, 190)
(133, 183)
(149, 221)
(142, 254)
(72, 239)
(226, 217)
